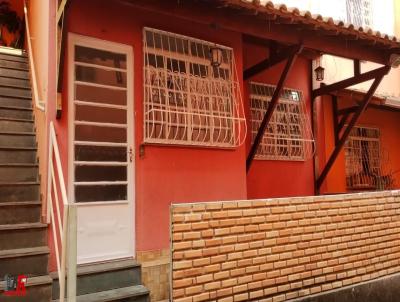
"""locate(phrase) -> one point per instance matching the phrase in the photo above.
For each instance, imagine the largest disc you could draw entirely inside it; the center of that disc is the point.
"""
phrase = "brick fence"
(280, 249)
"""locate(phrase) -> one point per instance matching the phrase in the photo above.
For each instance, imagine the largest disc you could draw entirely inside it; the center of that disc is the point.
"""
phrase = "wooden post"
(352, 123)
(72, 252)
(274, 102)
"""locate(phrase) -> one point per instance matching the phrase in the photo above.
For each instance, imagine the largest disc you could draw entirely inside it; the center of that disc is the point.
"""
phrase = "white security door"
(101, 180)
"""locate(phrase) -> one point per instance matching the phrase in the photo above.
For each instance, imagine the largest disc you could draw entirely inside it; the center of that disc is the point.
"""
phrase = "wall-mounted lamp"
(319, 73)
(215, 56)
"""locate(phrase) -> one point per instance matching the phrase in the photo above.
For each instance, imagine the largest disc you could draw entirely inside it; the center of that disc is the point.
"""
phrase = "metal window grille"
(187, 100)
(288, 135)
(365, 161)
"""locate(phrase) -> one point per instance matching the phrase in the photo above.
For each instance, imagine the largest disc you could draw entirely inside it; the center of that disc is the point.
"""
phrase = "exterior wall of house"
(166, 174)
(385, 120)
(269, 178)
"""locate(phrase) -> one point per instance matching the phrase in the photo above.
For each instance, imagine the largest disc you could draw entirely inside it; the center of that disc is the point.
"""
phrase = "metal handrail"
(38, 103)
(65, 228)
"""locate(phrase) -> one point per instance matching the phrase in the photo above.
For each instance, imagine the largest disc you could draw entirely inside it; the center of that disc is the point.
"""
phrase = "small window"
(187, 101)
(288, 135)
(364, 161)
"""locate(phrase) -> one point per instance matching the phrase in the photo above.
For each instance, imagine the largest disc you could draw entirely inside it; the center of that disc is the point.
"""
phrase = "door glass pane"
(98, 153)
(99, 57)
(100, 114)
(100, 95)
(100, 173)
(100, 76)
(100, 193)
(90, 133)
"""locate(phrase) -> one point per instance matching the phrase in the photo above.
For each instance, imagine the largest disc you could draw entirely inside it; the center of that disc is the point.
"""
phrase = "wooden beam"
(357, 67)
(269, 62)
(335, 117)
(347, 110)
(60, 10)
(382, 72)
(363, 77)
(295, 51)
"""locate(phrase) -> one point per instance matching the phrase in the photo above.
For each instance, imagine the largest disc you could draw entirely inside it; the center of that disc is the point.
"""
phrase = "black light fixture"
(215, 56)
(319, 72)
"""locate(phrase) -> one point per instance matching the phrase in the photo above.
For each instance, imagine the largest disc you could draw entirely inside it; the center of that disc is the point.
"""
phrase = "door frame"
(77, 39)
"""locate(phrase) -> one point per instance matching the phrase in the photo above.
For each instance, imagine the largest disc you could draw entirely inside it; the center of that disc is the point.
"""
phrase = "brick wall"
(279, 249)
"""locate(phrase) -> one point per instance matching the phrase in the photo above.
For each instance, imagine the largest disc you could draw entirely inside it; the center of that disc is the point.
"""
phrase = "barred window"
(364, 160)
(288, 135)
(187, 100)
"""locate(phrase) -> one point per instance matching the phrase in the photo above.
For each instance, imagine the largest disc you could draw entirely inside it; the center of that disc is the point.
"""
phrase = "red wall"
(165, 174)
(271, 178)
(388, 123)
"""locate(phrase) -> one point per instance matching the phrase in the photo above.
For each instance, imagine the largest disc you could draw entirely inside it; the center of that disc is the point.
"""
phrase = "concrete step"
(16, 112)
(38, 289)
(23, 235)
(18, 172)
(105, 276)
(12, 154)
(20, 212)
(15, 82)
(19, 191)
(15, 92)
(14, 58)
(27, 261)
(137, 293)
(18, 139)
(16, 102)
(17, 125)
(14, 65)
(14, 73)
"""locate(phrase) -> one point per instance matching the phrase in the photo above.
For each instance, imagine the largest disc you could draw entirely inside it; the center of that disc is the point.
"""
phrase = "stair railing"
(65, 230)
(38, 103)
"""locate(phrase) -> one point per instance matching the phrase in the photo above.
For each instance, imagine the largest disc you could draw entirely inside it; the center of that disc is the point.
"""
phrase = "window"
(288, 135)
(188, 101)
(364, 161)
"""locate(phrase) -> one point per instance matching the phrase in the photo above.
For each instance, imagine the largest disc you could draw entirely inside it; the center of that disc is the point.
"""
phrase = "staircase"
(118, 280)
(23, 238)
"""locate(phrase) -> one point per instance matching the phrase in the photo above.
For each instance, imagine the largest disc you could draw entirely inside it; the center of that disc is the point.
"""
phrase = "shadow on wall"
(12, 24)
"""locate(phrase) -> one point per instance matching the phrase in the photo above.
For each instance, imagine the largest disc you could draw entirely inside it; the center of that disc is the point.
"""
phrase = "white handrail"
(67, 227)
(39, 104)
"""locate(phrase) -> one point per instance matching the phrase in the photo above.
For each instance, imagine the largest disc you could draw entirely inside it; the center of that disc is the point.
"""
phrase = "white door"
(101, 172)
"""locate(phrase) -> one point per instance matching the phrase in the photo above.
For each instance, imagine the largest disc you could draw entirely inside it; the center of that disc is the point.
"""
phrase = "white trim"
(98, 124)
(100, 183)
(96, 104)
(74, 39)
(111, 87)
(100, 163)
(99, 144)
(83, 64)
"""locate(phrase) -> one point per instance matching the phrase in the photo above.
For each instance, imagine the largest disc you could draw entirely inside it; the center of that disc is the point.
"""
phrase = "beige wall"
(337, 69)
(280, 249)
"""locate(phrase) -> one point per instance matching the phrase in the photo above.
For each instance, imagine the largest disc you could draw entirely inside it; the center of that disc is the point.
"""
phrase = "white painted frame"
(76, 39)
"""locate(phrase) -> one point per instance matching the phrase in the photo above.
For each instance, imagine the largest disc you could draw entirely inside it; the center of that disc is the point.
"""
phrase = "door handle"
(130, 154)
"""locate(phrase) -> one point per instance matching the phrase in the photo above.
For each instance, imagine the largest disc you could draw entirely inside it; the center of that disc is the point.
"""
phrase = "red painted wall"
(269, 178)
(386, 121)
(165, 174)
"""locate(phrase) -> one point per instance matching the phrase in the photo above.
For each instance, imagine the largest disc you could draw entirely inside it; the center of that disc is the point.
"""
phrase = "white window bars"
(288, 135)
(188, 101)
(365, 161)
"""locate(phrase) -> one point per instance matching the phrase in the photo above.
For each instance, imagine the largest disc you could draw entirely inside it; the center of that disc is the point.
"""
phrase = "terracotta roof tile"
(306, 17)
